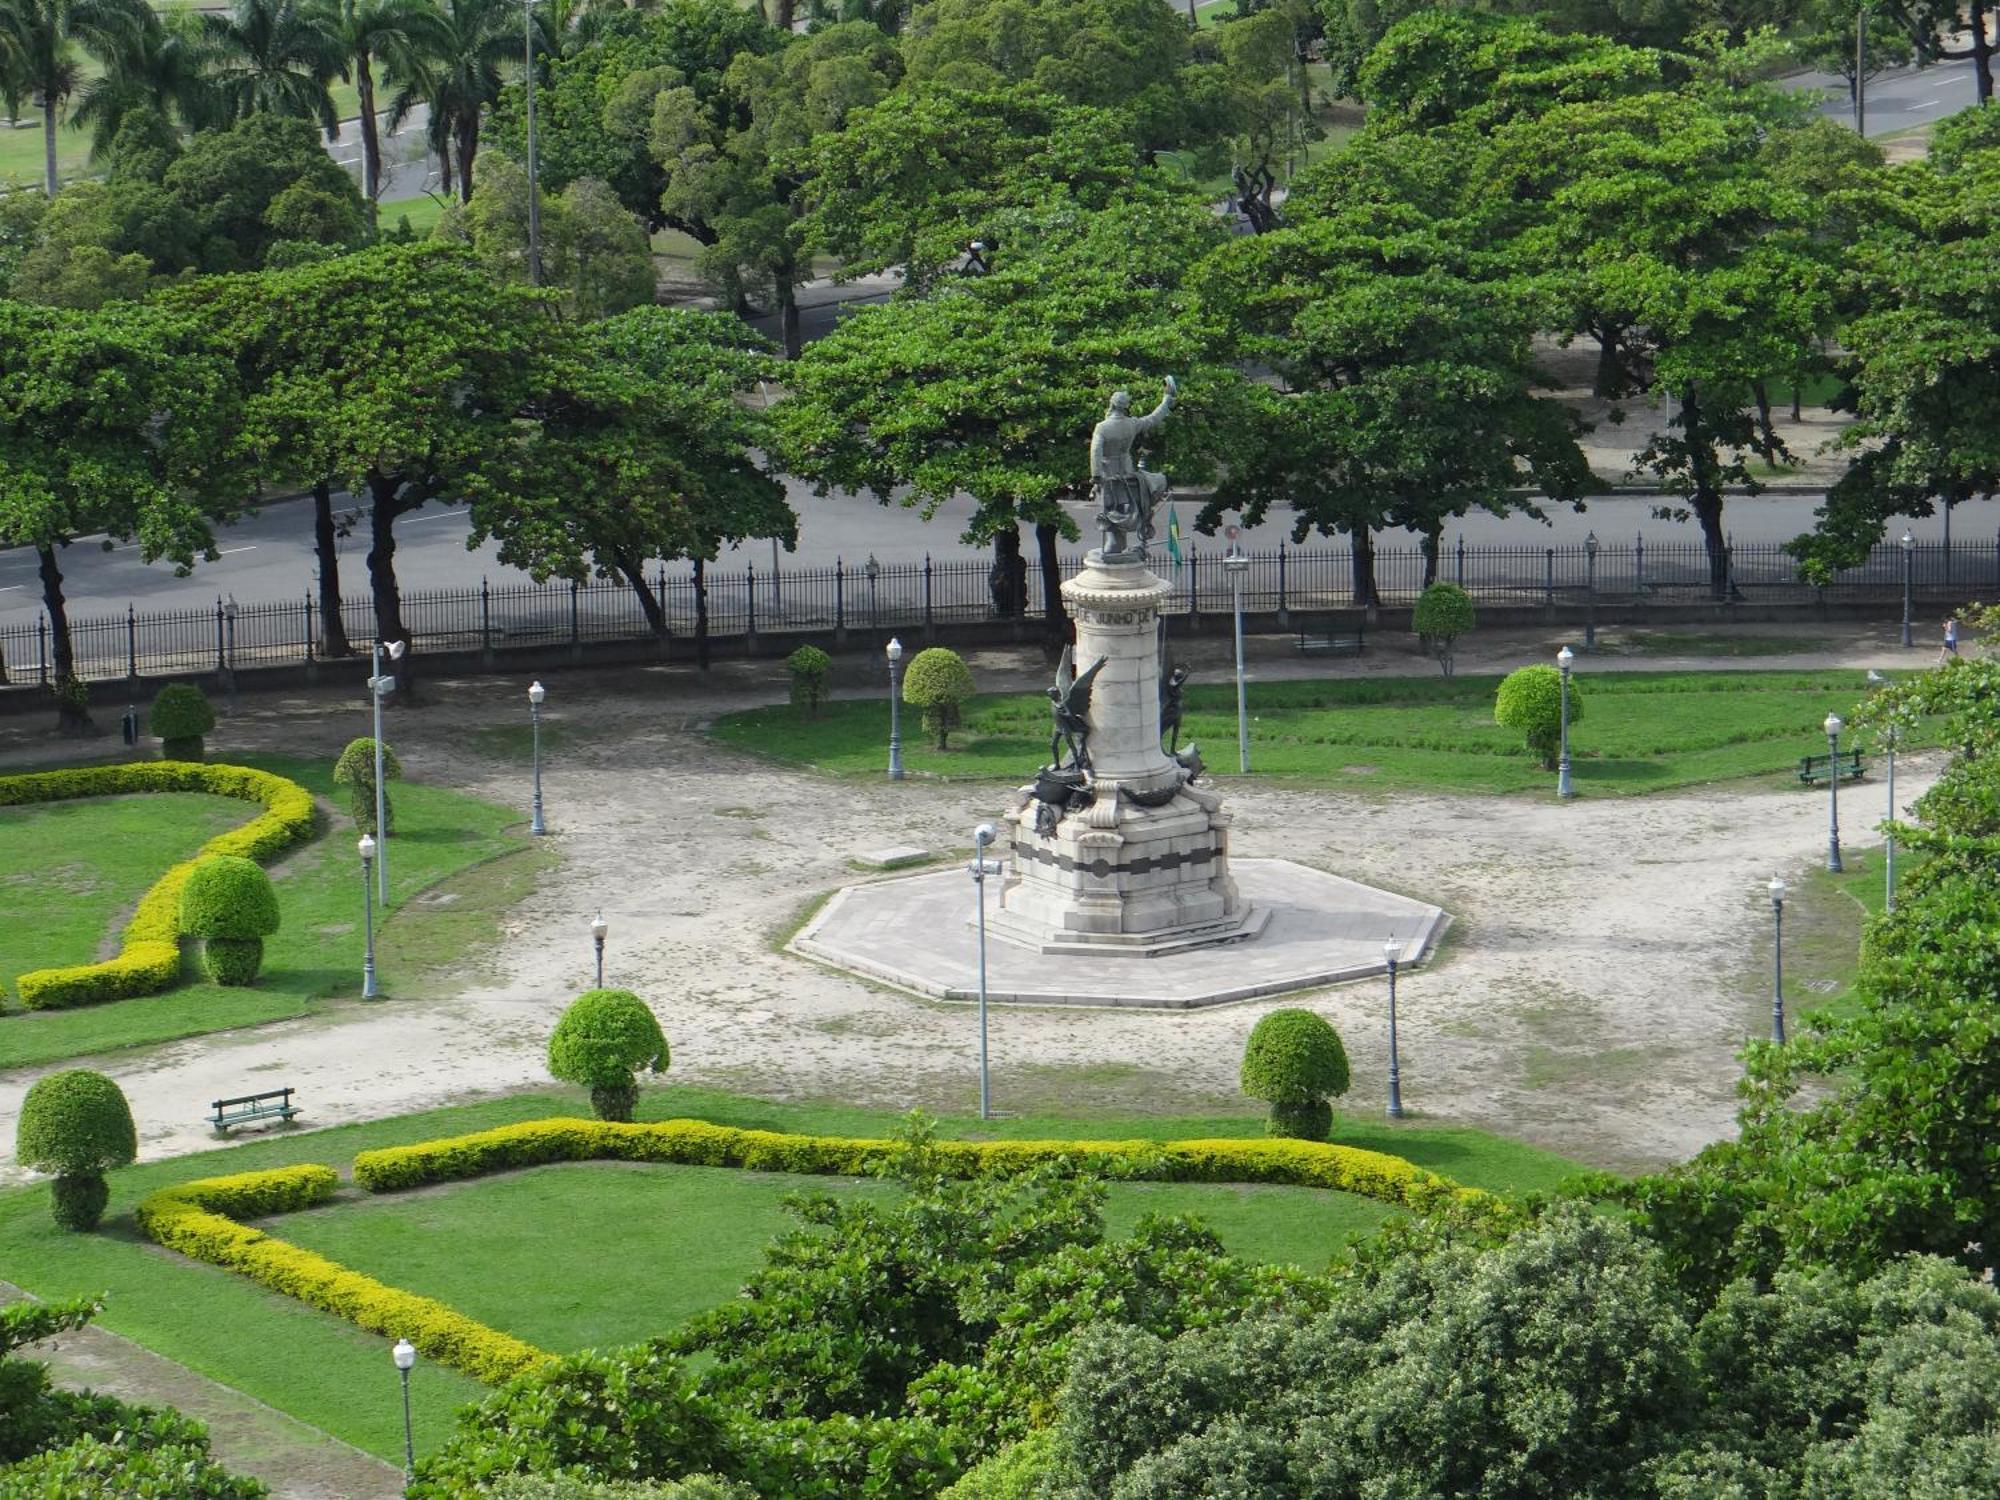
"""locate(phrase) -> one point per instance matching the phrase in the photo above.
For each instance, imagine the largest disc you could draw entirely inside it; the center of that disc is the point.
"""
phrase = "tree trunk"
(444, 167)
(634, 569)
(72, 717)
(332, 629)
(1609, 381)
(466, 130)
(701, 614)
(1055, 614)
(1007, 580)
(783, 13)
(1363, 557)
(788, 315)
(1767, 436)
(1982, 55)
(383, 510)
(1704, 494)
(371, 141)
(49, 104)
(1433, 546)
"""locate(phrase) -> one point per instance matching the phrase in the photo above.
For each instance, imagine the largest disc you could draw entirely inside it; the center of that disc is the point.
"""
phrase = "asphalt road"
(1899, 99)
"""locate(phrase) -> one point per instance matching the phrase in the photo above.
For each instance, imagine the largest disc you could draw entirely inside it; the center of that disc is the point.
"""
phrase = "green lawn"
(1639, 732)
(445, 842)
(423, 212)
(330, 1374)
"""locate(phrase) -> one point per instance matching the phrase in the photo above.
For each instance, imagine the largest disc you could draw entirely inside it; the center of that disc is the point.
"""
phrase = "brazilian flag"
(1174, 536)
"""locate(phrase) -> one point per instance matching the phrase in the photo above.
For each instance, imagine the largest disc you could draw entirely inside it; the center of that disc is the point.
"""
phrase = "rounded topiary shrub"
(1530, 700)
(602, 1042)
(1295, 1063)
(77, 1126)
(808, 667)
(231, 905)
(938, 682)
(1444, 612)
(355, 770)
(180, 716)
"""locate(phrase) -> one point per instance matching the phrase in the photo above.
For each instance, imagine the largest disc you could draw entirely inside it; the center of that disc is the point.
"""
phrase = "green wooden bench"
(1331, 637)
(272, 1104)
(1813, 768)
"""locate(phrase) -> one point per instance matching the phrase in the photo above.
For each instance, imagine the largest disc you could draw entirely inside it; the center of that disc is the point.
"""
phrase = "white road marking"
(1928, 103)
(443, 515)
(10, 587)
(226, 551)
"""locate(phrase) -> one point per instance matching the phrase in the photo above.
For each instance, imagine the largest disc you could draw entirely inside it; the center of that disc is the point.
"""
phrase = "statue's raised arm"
(1125, 492)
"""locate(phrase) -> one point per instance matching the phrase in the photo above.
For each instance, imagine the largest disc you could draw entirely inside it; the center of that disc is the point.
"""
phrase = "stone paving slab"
(919, 934)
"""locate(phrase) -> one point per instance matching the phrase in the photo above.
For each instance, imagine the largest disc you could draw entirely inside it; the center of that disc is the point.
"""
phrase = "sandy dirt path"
(1588, 998)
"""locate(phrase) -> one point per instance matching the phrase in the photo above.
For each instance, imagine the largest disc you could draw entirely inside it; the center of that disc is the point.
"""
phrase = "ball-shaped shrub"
(231, 905)
(1295, 1063)
(808, 667)
(1530, 700)
(180, 716)
(938, 681)
(1444, 612)
(77, 1126)
(355, 770)
(602, 1041)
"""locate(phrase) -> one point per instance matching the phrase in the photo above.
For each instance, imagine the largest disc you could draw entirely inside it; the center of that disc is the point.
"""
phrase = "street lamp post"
(536, 693)
(1833, 728)
(874, 571)
(1237, 564)
(1590, 591)
(368, 987)
(380, 687)
(1392, 952)
(405, 1355)
(1909, 582)
(598, 928)
(1777, 889)
(1564, 786)
(981, 867)
(894, 651)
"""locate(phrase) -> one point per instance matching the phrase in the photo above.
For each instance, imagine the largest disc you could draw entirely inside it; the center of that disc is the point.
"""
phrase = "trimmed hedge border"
(149, 959)
(199, 1219)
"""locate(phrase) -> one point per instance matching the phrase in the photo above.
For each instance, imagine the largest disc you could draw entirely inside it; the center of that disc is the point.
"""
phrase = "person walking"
(1950, 639)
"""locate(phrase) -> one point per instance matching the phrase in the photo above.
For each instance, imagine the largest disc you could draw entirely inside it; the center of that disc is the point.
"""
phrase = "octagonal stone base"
(918, 934)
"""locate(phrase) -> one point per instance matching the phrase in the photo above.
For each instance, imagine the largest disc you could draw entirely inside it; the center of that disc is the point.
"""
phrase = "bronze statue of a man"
(1125, 492)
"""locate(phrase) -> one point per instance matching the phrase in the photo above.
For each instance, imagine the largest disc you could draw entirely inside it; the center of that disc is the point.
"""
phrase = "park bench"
(1813, 768)
(272, 1104)
(1330, 637)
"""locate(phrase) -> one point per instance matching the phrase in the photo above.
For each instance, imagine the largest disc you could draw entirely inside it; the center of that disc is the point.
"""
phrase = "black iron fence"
(222, 636)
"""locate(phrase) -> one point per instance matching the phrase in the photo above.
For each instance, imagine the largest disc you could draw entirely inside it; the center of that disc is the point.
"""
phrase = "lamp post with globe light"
(1564, 786)
(598, 928)
(536, 693)
(1833, 727)
(1590, 592)
(894, 651)
(405, 1356)
(1392, 954)
(1236, 564)
(380, 687)
(1777, 889)
(981, 867)
(1909, 545)
(367, 848)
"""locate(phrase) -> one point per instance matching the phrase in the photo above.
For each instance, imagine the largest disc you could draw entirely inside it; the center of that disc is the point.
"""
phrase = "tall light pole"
(1861, 70)
(981, 867)
(1909, 581)
(1564, 786)
(1777, 889)
(598, 928)
(405, 1356)
(534, 197)
(380, 687)
(894, 651)
(1590, 591)
(369, 990)
(1833, 728)
(1392, 953)
(1236, 564)
(536, 693)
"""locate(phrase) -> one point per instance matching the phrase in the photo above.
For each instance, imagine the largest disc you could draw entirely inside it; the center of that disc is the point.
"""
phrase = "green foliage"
(77, 1200)
(232, 961)
(938, 681)
(228, 896)
(1017, 1472)
(111, 1468)
(181, 714)
(75, 1122)
(1443, 613)
(594, 253)
(1295, 1062)
(808, 667)
(545, 1487)
(261, 181)
(602, 1040)
(1530, 699)
(355, 770)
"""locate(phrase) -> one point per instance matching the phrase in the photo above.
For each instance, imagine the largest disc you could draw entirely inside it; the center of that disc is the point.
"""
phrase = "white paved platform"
(917, 933)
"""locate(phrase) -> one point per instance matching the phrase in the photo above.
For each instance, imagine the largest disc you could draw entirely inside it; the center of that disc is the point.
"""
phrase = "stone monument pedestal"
(1137, 862)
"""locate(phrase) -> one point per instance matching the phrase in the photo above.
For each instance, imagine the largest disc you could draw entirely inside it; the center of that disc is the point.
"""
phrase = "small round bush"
(601, 1042)
(77, 1126)
(1444, 612)
(938, 682)
(355, 770)
(808, 667)
(180, 716)
(231, 905)
(1294, 1062)
(1530, 700)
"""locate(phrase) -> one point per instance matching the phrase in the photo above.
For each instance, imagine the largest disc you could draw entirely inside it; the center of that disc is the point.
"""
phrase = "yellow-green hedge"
(149, 959)
(198, 1219)
(1370, 1174)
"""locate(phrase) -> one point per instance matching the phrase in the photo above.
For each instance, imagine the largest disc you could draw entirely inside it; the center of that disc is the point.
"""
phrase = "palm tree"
(44, 36)
(276, 57)
(396, 33)
(161, 65)
(458, 76)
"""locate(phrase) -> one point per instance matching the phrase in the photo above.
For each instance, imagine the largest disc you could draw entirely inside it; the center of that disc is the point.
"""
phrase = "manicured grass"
(330, 1374)
(423, 212)
(444, 843)
(1639, 732)
(1693, 643)
(71, 871)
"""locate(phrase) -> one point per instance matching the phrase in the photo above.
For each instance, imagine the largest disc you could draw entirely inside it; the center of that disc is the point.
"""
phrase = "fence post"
(927, 593)
(575, 630)
(1194, 588)
(1461, 559)
(221, 662)
(839, 601)
(131, 640)
(1639, 561)
(306, 616)
(42, 650)
(485, 619)
(1549, 580)
(750, 606)
(1283, 606)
